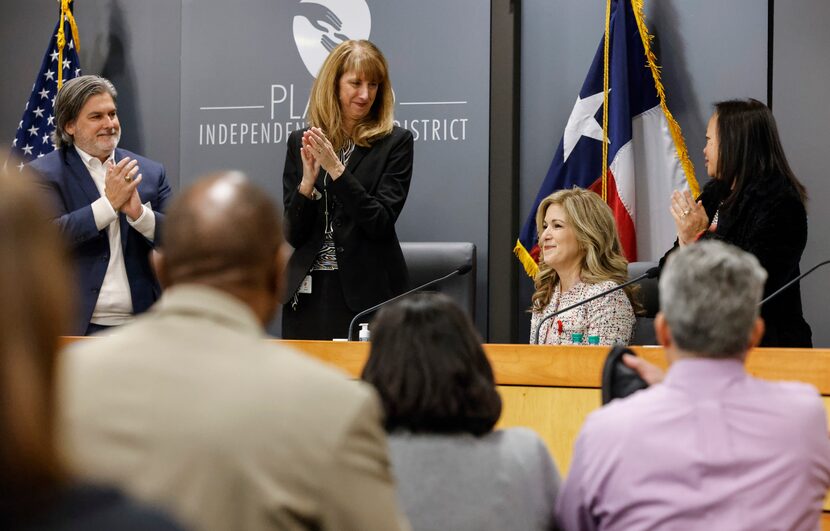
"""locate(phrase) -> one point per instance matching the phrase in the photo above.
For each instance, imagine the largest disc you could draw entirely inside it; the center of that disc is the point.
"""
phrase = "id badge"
(305, 286)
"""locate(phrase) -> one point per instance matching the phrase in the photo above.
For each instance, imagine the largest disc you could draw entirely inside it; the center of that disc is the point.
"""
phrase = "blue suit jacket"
(71, 190)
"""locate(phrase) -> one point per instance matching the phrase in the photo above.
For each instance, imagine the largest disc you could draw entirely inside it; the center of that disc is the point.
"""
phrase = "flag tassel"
(674, 127)
(530, 265)
(605, 80)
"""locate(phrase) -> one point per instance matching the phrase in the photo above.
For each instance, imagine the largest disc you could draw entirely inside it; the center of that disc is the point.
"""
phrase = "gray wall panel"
(801, 75)
(708, 58)
(440, 77)
(24, 34)
(232, 55)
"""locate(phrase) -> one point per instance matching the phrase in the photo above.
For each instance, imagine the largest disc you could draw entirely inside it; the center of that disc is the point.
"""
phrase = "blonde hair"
(596, 234)
(363, 58)
(35, 291)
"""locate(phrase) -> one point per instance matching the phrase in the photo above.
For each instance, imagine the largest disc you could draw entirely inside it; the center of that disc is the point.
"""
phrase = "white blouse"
(610, 317)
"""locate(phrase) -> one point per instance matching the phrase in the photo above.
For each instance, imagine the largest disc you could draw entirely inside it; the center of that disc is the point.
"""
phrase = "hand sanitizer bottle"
(363, 334)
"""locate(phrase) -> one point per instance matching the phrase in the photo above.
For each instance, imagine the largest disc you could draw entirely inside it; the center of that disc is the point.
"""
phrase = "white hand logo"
(323, 24)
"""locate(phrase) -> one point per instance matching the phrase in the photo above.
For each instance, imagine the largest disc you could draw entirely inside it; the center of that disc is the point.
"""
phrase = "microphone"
(651, 273)
(793, 281)
(463, 270)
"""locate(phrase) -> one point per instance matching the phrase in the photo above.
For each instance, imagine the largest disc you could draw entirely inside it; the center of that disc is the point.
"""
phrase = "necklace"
(344, 156)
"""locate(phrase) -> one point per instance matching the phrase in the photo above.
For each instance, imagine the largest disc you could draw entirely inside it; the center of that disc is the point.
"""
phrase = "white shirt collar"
(89, 159)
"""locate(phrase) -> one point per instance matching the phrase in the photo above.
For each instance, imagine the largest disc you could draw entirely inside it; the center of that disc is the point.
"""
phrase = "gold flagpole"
(606, 53)
(66, 14)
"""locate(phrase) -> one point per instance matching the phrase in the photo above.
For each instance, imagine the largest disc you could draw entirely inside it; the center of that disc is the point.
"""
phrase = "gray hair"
(71, 99)
(709, 295)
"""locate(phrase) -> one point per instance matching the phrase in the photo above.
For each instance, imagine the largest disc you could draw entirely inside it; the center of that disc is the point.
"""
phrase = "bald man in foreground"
(190, 408)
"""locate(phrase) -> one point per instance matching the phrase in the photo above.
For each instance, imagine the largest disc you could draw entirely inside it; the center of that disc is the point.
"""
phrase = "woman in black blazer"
(345, 182)
(754, 201)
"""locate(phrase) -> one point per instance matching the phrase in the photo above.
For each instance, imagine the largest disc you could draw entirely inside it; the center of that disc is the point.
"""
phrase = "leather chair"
(649, 296)
(428, 261)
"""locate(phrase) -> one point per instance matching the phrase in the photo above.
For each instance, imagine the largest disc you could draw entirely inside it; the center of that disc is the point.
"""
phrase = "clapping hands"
(121, 187)
(318, 148)
(689, 216)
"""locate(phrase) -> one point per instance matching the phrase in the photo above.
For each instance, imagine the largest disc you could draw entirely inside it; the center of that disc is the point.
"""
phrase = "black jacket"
(82, 506)
(365, 202)
(768, 220)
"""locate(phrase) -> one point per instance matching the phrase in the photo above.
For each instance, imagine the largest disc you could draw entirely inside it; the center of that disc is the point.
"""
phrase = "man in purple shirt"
(709, 447)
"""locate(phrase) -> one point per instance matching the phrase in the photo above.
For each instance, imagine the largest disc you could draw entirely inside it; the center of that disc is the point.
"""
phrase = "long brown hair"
(34, 291)
(364, 58)
(749, 148)
(596, 233)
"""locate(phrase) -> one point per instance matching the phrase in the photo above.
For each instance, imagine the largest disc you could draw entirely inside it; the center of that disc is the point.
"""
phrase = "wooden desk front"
(552, 389)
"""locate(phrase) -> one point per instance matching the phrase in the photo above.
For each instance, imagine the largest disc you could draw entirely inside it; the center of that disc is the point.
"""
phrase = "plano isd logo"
(320, 25)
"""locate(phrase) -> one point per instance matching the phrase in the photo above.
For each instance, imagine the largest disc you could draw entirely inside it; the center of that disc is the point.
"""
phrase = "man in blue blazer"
(108, 203)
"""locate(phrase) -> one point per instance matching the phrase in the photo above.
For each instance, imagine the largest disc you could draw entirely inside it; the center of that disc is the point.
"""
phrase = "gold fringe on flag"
(605, 80)
(66, 14)
(530, 265)
(674, 127)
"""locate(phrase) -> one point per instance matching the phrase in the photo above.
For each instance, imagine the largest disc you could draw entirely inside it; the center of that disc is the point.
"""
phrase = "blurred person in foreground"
(191, 407)
(754, 201)
(108, 203)
(710, 447)
(581, 256)
(345, 183)
(36, 489)
(454, 471)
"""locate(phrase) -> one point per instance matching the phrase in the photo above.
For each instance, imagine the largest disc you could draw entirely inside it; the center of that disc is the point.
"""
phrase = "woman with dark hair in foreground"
(754, 201)
(436, 385)
(36, 492)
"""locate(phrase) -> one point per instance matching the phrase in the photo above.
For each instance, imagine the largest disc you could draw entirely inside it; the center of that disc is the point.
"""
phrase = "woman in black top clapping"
(754, 201)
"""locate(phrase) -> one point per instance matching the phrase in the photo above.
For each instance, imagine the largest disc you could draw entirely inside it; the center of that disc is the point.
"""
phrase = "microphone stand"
(793, 281)
(463, 270)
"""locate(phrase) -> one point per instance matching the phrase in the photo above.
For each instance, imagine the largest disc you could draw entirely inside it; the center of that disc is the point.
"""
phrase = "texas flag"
(647, 156)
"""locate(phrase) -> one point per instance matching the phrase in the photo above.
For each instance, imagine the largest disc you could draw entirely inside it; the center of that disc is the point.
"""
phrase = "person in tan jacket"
(190, 408)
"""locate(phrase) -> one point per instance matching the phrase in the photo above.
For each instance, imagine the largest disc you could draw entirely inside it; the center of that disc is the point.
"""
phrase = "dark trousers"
(321, 314)
(93, 328)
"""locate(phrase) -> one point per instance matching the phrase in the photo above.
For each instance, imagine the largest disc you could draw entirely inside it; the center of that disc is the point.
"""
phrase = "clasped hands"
(121, 187)
(317, 152)
(689, 216)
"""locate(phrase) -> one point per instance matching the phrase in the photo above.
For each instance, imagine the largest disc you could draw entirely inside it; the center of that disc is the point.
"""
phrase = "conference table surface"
(551, 389)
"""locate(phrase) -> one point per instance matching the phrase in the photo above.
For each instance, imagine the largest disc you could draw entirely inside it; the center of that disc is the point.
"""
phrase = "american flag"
(33, 138)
